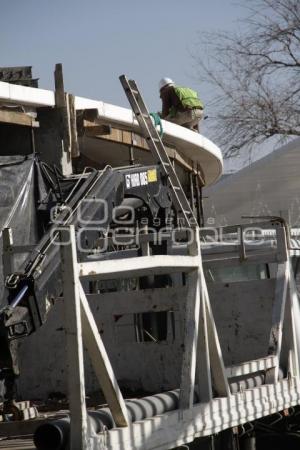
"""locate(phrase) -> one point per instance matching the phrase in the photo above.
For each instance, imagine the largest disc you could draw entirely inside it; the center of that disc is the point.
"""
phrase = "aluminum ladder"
(157, 149)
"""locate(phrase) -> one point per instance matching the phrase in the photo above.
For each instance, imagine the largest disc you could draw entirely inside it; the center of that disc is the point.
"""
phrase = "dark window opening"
(145, 327)
(154, 326)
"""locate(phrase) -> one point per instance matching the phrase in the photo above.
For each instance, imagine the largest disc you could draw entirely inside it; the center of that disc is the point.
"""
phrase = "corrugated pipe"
(54, 435)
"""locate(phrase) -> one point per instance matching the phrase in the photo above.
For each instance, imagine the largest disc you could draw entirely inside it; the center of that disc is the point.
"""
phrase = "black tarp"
(17, 205)
(29, 189)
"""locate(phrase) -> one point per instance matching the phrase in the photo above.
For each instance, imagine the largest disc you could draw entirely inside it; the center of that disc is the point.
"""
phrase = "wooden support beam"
(202, 350)
(203, 372)
(62, 104)
(92, 129)
(73, 126)
(218, 372)
(195, 356)
(17, 118)
(275, 340)
(288, 354)
(295, 320)
(101, 364)
(73, 327)
(60, 100)
(192, 313)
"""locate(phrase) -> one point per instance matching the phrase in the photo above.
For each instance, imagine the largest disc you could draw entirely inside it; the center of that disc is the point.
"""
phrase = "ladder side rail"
(154, 137)
(157, 147)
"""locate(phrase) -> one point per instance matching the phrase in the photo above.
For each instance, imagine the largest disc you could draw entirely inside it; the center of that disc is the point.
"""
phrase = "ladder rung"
(134, 91)
(177, 188)
(150, 138)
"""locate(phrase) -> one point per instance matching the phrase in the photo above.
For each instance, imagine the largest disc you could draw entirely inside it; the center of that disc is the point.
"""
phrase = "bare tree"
(256, 76)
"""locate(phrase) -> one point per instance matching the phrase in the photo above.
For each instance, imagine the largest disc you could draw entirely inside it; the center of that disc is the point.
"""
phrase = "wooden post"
(192, 316)
(18, 118)
(275, 341)
(218, 372)
(192, 312)
(203, 372)
(76, 381)
(293, 325)
(73, 126)
(60, 100)
(66, 109)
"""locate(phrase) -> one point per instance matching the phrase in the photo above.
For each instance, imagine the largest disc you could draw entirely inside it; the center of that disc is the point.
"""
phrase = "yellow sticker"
(152, 175)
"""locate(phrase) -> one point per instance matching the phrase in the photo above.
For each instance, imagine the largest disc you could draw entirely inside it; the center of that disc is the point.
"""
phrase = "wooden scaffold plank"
(17, 118)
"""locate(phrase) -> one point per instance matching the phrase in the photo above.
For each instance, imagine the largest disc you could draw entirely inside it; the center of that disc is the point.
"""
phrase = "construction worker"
(180, 105)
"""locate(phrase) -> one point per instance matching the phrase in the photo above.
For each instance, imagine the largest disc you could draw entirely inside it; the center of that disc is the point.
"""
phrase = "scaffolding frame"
(202, 368)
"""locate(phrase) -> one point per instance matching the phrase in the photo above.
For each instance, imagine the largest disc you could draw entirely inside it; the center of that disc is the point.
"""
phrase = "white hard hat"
(165, 82)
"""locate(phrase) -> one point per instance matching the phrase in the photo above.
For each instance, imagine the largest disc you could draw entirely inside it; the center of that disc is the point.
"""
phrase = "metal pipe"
(247, 382)
(153, 405)
(20, 295)
(55, 434)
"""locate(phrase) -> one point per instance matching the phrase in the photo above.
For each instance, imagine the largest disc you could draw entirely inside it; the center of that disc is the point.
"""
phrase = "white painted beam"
(253, 366)
(140, 266)
(167, 431)
(193, 145)
(24, 95)
(101, 364)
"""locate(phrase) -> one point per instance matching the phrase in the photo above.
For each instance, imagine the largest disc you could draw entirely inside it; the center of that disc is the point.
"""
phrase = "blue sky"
(97, 41)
